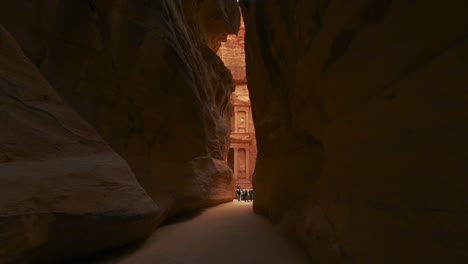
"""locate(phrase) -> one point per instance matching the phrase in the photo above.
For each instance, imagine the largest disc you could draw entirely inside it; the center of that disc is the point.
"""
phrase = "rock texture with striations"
(361, 114)
(64, 192)
(145, 74)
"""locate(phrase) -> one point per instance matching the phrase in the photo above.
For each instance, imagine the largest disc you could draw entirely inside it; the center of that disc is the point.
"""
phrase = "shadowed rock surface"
(360, 109)
(145, 74)
(361, 115)
(64, 192)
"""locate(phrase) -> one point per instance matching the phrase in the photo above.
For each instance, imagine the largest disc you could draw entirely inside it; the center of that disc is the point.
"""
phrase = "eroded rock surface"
(361, 114)
(232, 52)
(145, 74)
(63, 191)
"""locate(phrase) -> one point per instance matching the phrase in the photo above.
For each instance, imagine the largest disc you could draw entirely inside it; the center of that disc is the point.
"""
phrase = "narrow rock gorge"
(361, 114)
(115, 116)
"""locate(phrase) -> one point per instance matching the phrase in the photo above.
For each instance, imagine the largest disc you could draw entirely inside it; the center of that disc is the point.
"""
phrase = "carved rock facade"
(242, 154)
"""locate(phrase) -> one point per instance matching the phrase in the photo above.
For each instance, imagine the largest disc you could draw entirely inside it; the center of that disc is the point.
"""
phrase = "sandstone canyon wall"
(145, 74)
(361, 115)
(63, 191)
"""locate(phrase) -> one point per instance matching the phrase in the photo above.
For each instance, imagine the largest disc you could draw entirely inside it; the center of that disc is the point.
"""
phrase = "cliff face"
(361, 115)
(145, 74)
(232, 52)
(64, 192)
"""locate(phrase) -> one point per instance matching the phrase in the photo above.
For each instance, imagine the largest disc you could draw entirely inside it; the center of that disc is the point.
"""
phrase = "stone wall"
(145, 74)
(362, 106)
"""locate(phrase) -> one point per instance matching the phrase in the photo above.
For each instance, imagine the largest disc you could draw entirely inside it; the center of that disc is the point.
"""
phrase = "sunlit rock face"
(64, 192)
(232, 52)
(361, 115)
(145, 74)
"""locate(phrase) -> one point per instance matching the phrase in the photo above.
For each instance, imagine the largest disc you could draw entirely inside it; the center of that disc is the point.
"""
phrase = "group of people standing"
(245, 195)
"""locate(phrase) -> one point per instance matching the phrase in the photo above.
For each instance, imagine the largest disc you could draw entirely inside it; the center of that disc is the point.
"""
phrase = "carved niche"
(241, 122)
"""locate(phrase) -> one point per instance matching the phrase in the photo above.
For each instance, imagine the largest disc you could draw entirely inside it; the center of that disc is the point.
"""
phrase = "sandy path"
(229, 233)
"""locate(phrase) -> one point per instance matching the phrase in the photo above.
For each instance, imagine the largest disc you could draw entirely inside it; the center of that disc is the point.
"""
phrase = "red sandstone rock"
(217, 18)
(63, 191)
(232, 53)
(145, 74)
(361, 113)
